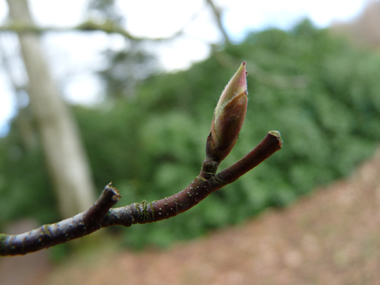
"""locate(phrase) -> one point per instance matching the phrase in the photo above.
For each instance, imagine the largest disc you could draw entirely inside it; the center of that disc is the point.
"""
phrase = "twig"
(100, 215)
(108, 27)
(87, 26)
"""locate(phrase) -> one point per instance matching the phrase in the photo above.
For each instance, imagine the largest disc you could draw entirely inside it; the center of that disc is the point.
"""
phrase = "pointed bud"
(228, 117)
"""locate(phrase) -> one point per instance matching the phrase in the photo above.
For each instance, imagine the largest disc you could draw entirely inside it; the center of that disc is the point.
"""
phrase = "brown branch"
(269, 145)
(99, 209)
(61, 232)
(100, 215)
(225, 127)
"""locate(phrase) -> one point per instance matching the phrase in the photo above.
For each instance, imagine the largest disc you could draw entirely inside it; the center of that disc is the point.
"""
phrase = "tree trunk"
(63, 149)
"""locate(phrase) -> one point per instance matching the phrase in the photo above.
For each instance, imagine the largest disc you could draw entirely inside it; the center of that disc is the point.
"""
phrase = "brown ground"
(331, 237)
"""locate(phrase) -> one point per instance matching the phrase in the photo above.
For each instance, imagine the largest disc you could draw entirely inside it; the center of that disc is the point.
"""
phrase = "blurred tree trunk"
(64, 153)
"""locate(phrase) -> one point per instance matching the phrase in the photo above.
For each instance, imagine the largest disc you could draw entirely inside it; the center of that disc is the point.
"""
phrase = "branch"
(108, 27)
(61, 232)
(87, 26)
(225, 127)
(100, 215)
(218, 18)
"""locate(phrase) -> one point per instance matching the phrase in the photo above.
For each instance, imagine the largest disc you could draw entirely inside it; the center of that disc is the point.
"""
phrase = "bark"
(100, 215)
(63, 149)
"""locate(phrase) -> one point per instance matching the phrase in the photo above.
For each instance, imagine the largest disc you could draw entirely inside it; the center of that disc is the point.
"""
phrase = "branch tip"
(277, 134)
(111, 190)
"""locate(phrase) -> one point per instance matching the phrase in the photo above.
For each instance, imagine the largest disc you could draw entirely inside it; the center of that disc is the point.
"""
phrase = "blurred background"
(103, 90)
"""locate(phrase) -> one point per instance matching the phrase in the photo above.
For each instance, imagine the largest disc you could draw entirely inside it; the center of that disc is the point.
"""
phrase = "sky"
(74, 57)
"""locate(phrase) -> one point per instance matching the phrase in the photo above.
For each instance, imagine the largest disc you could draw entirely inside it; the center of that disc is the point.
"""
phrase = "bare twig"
(69, 229)
(108, 27)
(88, 26)
(228, 118)
(100, 215)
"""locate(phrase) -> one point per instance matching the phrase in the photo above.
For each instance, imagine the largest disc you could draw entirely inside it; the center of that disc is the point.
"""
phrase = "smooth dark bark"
(100, 215)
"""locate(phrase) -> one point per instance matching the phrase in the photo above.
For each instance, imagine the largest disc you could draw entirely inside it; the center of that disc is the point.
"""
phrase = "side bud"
(228, 117)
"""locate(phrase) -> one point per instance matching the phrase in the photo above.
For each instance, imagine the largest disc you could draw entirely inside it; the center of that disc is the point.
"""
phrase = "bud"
(228, 117)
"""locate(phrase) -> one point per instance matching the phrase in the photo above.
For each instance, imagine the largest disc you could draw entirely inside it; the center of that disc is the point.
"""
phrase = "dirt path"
(331, 237)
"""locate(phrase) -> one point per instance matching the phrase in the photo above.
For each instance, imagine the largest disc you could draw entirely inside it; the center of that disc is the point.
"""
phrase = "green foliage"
(24, 183)
(152, 145)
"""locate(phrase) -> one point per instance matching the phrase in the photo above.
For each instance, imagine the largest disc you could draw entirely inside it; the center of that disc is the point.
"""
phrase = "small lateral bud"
(228, 117)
